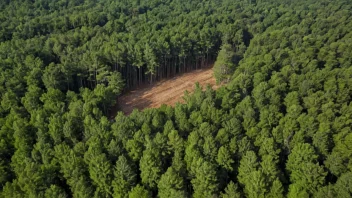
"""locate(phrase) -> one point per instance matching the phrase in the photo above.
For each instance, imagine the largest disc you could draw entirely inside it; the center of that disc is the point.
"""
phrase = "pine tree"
(125, 177)
(171, 185)
(224, 65)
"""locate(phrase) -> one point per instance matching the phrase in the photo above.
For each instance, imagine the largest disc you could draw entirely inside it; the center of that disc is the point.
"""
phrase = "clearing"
(168, 91)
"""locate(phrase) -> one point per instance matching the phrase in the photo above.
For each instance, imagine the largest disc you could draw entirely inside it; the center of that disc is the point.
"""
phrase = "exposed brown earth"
(169, 91)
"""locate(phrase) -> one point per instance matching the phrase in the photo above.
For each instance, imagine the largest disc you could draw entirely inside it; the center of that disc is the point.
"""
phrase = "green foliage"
(171, 185)
(55, 191)
(205, 183)
(125, 177)
(231, 191)
(139, 192)
(304, 169)
(225, 158)
(280, 127)
(223, 66)
(150, 167)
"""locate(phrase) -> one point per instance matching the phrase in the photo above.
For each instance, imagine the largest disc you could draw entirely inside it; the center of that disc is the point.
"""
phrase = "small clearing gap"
(168, 91)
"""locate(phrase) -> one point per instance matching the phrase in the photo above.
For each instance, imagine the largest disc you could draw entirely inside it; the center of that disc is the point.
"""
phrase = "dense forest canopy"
(281, 127)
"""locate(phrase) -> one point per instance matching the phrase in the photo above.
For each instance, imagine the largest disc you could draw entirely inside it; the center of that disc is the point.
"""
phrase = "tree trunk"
(184, 64)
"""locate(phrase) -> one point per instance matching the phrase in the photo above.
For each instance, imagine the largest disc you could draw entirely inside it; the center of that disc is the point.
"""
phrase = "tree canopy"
(279, 127)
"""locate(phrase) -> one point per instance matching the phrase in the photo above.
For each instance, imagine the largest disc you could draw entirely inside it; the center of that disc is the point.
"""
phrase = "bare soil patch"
(168, 91)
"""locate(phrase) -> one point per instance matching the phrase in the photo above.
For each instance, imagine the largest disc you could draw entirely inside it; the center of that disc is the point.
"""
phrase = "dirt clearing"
(167, 91)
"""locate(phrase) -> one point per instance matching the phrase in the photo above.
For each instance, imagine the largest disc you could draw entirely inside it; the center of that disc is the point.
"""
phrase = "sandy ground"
(167, 92)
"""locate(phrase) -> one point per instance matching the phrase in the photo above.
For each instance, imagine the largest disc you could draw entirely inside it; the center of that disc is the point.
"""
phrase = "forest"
(281, 126)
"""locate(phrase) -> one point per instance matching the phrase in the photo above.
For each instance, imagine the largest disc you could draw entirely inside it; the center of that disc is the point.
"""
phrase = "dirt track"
(167, 91)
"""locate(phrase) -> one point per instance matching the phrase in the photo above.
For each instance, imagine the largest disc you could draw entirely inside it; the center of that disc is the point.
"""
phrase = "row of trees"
(281, 127)
(85, 40)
